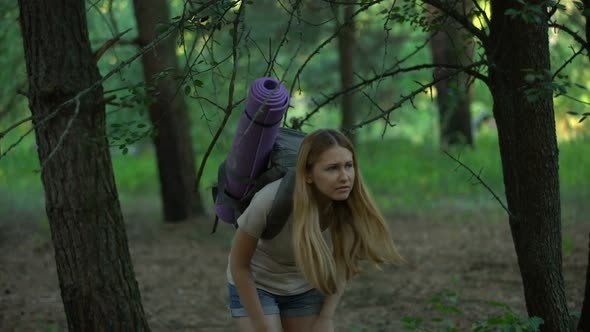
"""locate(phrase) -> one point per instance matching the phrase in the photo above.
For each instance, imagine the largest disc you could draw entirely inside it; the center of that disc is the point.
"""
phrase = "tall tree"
(525, 118)
(448, 46)
(584, 324)
(346, 46)
(174, 149)
(96, 276)
(519, 70)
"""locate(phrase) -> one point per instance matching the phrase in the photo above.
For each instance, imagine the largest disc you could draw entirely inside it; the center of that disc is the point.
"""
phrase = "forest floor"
(181, 272)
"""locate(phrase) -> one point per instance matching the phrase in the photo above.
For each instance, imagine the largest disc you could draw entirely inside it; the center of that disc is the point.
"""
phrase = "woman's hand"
(323, 324)
(260, 325)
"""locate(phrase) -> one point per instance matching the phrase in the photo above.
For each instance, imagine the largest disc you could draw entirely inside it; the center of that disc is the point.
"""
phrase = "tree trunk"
(452, 95)
(584, 324)
(346, 45)
(528, 147)
(174, 149)
(96, 277)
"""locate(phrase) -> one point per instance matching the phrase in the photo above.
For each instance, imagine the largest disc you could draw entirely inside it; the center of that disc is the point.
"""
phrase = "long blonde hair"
(357, 227)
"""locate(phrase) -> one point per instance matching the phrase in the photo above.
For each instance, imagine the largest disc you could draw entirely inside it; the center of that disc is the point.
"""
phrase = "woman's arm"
(242, 249)
(324, 321)
(330, 304)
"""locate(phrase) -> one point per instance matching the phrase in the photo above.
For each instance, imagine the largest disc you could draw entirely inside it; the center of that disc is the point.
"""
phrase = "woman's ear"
(308, 179)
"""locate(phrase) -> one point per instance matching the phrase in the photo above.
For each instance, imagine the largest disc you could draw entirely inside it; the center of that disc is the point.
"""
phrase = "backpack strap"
(220, 195)
(281, 207)
(214, 191)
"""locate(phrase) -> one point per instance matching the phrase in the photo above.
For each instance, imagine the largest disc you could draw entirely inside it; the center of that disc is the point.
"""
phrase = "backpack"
(282, 164)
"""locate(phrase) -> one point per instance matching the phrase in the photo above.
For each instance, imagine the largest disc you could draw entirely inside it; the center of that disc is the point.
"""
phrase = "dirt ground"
(180, 270)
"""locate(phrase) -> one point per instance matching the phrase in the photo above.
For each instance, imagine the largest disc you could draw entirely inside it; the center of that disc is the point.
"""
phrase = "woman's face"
(333, 173)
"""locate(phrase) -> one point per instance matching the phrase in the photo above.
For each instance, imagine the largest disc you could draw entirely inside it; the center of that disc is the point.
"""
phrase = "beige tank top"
(273, 263)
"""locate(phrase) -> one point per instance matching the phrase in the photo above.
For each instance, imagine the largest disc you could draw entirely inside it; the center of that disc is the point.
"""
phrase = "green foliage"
(447, 313)
(417, 178)
(508, 321)
(409, 12)
(405, 170)
(532, 12)
(124, 134)
(539, 84)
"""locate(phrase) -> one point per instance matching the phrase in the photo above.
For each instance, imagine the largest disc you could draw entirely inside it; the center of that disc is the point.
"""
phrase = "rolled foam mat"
(255, 136)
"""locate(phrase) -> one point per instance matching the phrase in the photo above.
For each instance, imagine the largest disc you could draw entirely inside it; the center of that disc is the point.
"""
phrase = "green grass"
(404, 177)
(419, 177)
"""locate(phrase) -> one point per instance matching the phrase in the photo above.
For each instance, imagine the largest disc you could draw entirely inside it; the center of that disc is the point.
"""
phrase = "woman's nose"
(342, 175)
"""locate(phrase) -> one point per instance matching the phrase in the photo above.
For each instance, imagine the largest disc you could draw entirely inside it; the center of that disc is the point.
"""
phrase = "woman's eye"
(349, 166)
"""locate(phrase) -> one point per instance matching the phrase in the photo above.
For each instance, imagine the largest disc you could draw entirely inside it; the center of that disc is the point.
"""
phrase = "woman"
(294, 281)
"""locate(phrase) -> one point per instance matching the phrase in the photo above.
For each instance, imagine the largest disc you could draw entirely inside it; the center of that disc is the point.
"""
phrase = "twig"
(108, 44)
(580, 40)
(461, 19)
(326, 42)
(482, 11)
(467, 69)
(282, 42)
(480, 180)
(385, 115)
(414, 93)
(10, 104)
(553, 9)
(18, 123)
(566, 63)
(62, 136)
(229, 107)
(575, 99)
(210, 102)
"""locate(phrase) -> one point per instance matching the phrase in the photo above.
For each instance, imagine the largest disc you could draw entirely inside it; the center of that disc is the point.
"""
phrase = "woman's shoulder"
(268, 192)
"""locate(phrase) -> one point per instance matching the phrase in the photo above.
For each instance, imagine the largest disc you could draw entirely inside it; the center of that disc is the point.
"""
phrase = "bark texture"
(174, 149)
(346, 46)
(453, 96)
(96, 276)
(584, 323)
(530, 158)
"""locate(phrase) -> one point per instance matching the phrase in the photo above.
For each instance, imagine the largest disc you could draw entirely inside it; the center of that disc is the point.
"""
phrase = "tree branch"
(282, 42)
(460, 18)
(414, 93)
(326, 42)
(585, 44)
(16, 124)
(468, 69)
(108, 44)
(482, 11)
(480, 180)
(230, 106)
(10, 104)
(385, 114)
(567, 62)
(553, 10)
(62, 136)
(121, 66)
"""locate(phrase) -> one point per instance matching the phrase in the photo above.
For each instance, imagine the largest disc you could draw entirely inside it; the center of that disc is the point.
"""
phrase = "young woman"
(294, 281)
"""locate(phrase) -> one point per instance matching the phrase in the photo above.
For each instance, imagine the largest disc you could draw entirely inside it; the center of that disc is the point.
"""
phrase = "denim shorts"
(305, 304)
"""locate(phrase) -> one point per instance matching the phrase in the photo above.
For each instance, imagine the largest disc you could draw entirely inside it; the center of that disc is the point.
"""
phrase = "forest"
(469, 119)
